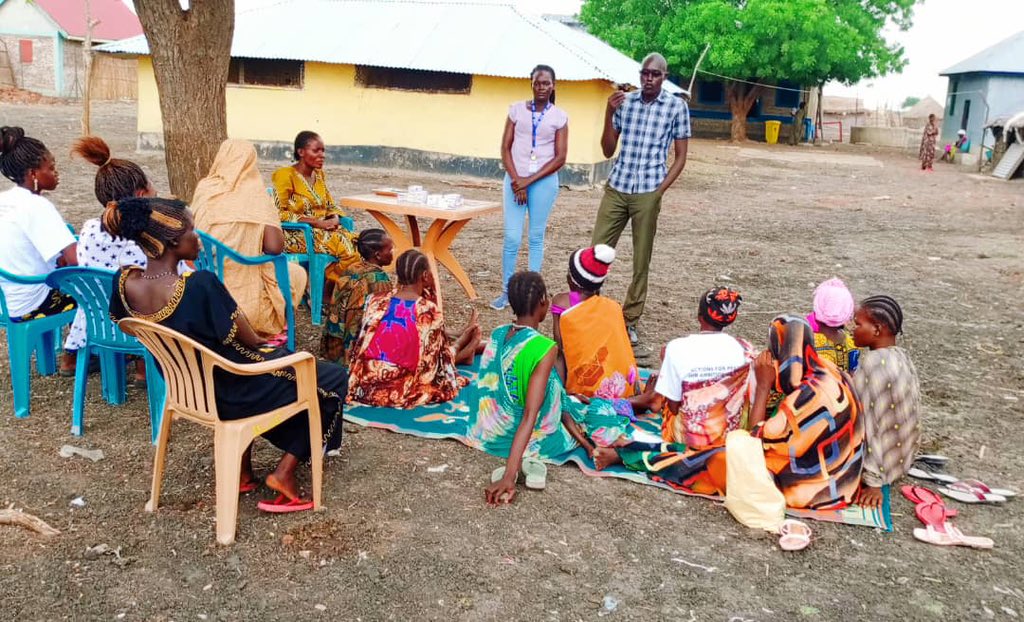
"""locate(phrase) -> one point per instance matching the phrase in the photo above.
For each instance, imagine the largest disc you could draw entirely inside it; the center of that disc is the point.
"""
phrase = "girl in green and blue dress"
(524, 413)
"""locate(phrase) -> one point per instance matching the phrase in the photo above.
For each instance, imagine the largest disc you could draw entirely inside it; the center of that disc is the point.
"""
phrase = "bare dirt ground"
(397, 542)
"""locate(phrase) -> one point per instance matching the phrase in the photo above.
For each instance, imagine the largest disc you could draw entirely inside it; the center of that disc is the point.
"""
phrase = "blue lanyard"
(536, 120)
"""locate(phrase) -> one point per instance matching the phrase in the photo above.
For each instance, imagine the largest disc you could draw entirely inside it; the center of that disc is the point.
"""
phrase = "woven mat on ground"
(451, 420)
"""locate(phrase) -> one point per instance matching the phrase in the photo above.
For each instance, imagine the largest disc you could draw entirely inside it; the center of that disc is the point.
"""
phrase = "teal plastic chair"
(315, 263)
(214, 253)
(316, 266)
(92, 288)
(41, 336)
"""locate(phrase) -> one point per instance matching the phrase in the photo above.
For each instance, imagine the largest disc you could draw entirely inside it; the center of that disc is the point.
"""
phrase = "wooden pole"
(820, 134)
(87, 54)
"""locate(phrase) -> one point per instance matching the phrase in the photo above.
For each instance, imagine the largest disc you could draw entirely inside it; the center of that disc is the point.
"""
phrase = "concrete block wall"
(902, 138)
(39, 74)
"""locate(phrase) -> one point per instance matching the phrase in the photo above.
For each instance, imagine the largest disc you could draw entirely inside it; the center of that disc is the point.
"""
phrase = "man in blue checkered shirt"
(648, 121)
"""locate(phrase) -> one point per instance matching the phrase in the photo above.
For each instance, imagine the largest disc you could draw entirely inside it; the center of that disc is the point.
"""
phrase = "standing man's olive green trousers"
(641, 210)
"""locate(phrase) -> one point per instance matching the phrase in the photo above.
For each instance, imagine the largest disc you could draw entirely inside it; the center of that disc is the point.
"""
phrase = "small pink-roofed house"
(41, 47)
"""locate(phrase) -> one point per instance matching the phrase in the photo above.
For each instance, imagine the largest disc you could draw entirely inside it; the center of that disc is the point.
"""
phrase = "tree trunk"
(740, 97)
(191, 51)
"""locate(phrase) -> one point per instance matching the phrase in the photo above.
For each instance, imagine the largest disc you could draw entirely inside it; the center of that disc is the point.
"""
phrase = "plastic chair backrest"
(92, 288)
(5, 317)
(187, 367)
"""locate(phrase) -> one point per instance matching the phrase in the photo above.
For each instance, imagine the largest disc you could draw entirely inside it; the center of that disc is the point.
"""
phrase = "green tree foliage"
(809, 42)
(910, 102)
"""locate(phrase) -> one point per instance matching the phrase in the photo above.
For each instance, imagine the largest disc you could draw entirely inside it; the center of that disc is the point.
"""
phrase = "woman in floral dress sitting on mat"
(403, 357)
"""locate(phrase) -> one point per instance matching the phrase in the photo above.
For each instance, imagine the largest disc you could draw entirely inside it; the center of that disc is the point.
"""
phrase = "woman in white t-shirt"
(34, 239)
(705, 377)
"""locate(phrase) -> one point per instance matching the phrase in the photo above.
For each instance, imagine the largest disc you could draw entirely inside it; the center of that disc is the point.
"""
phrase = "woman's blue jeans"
(541, 196)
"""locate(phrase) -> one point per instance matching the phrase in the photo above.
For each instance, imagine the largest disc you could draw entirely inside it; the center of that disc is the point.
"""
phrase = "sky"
(944, 32)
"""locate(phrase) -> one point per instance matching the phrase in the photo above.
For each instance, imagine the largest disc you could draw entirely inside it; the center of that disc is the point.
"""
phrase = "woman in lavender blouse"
(533, 149)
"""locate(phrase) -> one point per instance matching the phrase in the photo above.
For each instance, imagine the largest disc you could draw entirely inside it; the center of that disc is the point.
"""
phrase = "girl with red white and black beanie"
(596, 359)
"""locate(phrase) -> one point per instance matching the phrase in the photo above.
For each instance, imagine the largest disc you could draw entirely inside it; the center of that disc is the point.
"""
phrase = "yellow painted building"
(438, 108)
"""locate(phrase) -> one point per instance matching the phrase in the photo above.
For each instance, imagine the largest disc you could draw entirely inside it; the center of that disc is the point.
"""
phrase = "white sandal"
(536, 473)
(966, 493)
(948, 535)
(532, 470)
(794, 535)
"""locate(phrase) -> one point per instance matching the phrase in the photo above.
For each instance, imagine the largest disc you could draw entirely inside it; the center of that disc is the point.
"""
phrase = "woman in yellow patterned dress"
(302, 196)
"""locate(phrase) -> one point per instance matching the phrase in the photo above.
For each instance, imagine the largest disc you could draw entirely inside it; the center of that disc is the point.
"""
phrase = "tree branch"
(10, 516)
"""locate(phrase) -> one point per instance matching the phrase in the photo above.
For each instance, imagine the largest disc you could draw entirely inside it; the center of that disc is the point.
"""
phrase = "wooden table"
(442, 232)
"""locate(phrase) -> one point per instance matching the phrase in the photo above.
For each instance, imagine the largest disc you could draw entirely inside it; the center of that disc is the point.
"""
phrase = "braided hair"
(116, 178)
(526, 290)
(370, 241)
(886, 310)
(149, 222)
(19, 153)
(302, 139)
(550, 72)
(410, 266)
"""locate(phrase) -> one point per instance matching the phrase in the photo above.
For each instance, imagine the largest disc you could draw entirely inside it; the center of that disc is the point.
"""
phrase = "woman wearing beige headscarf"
(231, 204)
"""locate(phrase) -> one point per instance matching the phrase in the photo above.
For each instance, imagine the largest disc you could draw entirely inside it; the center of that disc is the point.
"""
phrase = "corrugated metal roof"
(1007, 56)
(115, 20)
(474, 37)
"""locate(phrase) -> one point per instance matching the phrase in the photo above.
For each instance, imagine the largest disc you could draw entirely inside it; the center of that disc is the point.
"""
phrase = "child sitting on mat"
(890, 396)
(403, 358)
(833, 308)
(595, 357)
(356, 283)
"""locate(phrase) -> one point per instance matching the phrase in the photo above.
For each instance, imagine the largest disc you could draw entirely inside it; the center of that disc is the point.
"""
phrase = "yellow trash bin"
(771, 131)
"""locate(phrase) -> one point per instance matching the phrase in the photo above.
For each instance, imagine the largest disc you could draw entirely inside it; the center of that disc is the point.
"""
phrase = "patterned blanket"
(451, 421)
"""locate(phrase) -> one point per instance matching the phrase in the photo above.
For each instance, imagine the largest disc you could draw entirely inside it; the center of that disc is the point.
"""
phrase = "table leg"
(437, 246)
(414, 229)
(402, 241)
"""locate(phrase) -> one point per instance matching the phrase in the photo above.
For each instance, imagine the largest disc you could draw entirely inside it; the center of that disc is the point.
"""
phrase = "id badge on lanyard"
(534, 165)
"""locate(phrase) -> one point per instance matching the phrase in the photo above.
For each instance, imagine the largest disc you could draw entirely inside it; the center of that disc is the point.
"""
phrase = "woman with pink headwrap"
(833, 309)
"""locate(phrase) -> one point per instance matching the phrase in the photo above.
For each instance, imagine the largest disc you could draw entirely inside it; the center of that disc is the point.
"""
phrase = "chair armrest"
(307, 233)
(247, 260)
(23, 280)
(256, 369)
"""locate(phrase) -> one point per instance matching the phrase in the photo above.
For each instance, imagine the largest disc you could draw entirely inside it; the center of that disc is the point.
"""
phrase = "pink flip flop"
(794, 535)
(931, 514)
(283, 505)
(919, 495)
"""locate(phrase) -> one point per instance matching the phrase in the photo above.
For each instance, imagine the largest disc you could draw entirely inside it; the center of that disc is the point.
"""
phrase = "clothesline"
(762, 84)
